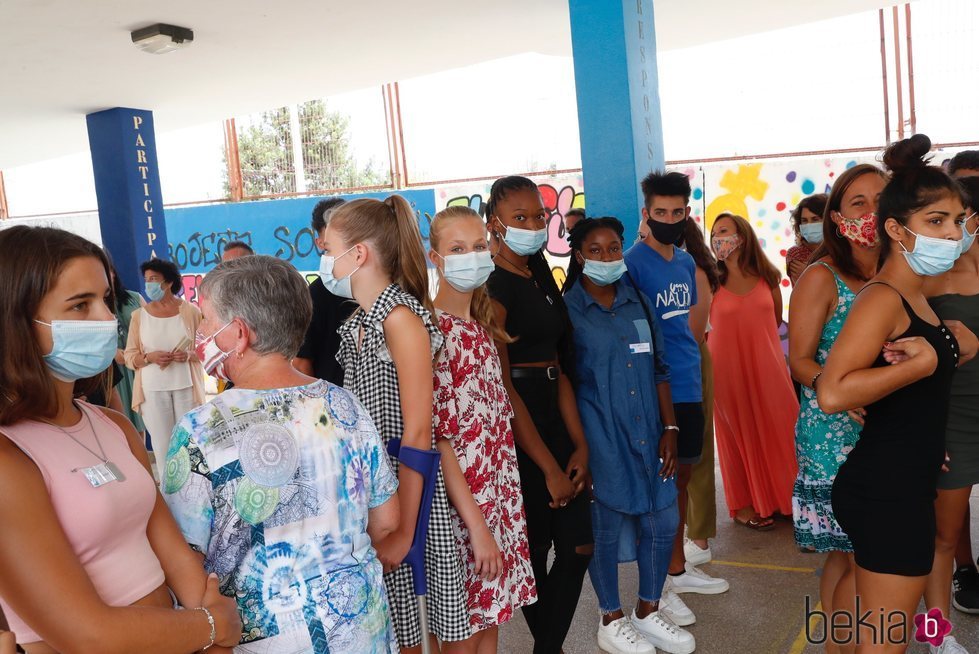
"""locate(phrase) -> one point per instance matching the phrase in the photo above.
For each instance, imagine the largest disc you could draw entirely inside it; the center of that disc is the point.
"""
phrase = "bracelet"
(814, 378)
(210, 621)
(669, 427)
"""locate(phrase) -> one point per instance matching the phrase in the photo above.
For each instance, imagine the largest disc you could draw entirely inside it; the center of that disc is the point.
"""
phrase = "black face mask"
(666, 233)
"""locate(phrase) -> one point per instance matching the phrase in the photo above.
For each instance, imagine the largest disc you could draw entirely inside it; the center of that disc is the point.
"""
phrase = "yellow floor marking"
(763, 566)
(800, 642)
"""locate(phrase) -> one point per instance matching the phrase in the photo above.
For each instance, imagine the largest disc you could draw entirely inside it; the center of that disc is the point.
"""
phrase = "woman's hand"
(391, 551)
(8, 644)
(859, 415)
(915, 351)
(560, 487)
(667, 453)
(160, 358)
(180, 356)
(489, 561)
(968, 343)
(224, 610)
(577, 468)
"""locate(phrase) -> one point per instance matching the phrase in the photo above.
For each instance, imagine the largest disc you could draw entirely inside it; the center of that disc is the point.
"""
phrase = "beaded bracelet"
(814, 378)
(210, 621)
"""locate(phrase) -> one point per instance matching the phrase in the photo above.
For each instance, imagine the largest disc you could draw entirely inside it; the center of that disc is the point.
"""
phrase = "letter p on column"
(137, 121)
(150, 237)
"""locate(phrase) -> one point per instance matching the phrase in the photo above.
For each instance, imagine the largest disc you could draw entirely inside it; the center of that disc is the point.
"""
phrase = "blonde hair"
(481, 307)
(392, 229)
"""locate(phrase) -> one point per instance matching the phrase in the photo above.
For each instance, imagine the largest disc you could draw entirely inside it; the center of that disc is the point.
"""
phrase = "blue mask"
(812, 232)
(604, 273)
(82, 348)
(154, 291)
(339, 287)
(467, 272)
(932, 256)
(968, 237)
(524, 242)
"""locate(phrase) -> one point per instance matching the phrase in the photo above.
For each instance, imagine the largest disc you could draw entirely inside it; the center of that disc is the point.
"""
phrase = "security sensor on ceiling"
(162, 38)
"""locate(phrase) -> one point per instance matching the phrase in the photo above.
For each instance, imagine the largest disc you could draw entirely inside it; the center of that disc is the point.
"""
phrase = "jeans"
(656, 532)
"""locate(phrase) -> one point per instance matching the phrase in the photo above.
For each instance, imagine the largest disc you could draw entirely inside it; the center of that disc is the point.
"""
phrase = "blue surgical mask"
(154, 291)
(467, 272)
(604, 273)
(932, 256)
(524, 242)
(82, 348)
(968, 237)
(812, 232)
(339, 287)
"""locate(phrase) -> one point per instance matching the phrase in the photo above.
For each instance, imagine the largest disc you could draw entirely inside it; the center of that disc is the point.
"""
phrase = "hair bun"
(908, 155)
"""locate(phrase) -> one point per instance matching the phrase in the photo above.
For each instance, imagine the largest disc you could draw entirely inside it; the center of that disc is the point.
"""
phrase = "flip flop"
(756, 524)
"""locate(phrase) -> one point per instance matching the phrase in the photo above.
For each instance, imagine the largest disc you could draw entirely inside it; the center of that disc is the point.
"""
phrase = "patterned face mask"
(860, 231)
(725, 245)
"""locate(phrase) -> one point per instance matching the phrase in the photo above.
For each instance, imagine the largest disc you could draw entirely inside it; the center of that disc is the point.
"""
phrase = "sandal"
(757, 523)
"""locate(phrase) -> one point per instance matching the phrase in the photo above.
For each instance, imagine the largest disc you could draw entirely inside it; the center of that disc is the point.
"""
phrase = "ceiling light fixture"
(162, 38)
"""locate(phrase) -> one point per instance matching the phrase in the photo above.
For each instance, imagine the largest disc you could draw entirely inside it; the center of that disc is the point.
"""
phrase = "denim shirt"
(618, 354)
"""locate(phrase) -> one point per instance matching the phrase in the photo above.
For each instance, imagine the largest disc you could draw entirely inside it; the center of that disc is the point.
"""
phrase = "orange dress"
(755, 407)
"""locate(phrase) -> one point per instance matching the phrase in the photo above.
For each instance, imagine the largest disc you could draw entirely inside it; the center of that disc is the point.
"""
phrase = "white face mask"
(339, 287)
(467, 272)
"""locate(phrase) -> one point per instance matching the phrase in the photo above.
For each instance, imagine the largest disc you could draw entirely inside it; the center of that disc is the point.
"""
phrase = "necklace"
(528, 274)
(102, 473)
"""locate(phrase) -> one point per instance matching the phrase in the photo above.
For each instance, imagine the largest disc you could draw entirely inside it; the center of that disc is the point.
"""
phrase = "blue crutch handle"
(425, 463)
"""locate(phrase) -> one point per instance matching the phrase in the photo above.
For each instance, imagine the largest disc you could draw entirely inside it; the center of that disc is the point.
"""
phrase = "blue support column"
(619, 120)
(127, 185)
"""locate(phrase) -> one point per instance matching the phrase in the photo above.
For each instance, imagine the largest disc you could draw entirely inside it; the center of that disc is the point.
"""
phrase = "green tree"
(265, 152)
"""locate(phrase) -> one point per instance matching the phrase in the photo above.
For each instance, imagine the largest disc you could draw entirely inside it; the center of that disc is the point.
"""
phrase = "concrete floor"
(764, 611)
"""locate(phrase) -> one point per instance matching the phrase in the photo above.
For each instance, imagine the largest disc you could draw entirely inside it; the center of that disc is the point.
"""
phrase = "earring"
(239, 354)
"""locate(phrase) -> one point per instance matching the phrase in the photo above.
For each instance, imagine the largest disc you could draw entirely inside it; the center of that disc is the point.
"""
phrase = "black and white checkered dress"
(369, 373)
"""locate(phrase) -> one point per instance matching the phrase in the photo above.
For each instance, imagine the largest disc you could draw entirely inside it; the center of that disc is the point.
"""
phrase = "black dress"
(884, 494)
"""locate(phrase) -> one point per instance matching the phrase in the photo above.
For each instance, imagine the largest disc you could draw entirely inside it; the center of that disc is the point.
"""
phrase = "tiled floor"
(763, 613)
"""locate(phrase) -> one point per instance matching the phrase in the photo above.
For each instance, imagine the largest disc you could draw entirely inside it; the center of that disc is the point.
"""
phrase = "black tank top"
(902, 446)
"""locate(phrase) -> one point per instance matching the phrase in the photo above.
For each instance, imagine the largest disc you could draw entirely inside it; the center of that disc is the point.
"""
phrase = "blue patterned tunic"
(821, 443)
(274, 488)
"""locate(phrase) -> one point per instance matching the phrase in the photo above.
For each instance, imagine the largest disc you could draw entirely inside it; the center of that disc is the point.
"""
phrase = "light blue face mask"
(339, 287)
(968, 238)
(812, 232)
(154, 291)
(82, 348)
(524, 242)
(604, 273)
(467, 272)
(932, 256)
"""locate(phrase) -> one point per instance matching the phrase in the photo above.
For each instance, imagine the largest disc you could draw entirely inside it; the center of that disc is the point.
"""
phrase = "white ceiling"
(62, 59)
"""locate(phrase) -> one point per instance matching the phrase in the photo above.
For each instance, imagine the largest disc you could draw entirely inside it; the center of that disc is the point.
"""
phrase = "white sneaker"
(694, 580)
(949, 646)
(675, 608)
(695, 555)
(662, 632)
(621, 637)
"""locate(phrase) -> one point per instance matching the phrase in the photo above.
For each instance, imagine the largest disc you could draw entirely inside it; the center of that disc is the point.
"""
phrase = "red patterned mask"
(860, 231)
(725, 245)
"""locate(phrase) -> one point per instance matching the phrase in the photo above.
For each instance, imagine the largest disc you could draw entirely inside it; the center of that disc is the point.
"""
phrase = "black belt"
(550, 373)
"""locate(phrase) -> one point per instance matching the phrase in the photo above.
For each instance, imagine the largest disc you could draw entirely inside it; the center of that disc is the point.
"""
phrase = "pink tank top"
(106, 526)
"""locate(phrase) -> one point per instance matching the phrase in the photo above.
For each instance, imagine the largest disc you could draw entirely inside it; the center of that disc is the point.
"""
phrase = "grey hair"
(268, 294)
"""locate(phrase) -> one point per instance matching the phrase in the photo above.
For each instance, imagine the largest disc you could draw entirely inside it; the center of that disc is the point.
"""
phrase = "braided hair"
(578, 234)
(539, 268)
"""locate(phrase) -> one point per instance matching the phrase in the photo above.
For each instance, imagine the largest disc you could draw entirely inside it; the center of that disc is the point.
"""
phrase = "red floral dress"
(472, 412)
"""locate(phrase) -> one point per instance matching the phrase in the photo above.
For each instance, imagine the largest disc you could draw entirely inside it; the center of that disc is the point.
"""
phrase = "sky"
(811, 87)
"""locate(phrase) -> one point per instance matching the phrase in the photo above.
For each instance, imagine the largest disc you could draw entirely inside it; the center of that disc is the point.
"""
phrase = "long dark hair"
(693, 241)
(835, 245)
(539, 268)
(578, 235)
(31, 259)
(914, 185)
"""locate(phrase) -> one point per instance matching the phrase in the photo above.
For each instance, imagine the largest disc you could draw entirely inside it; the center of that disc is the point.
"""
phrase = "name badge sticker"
(639, 348)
